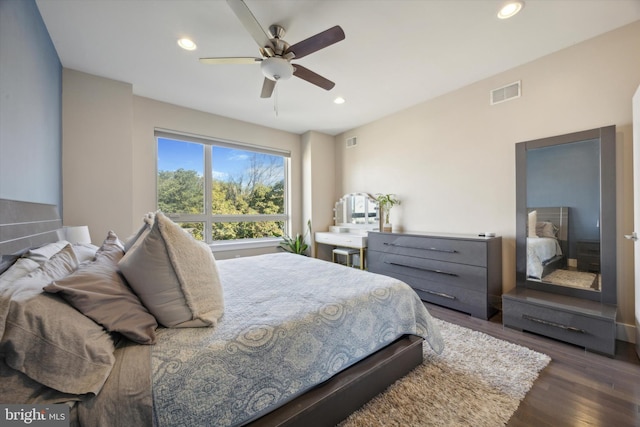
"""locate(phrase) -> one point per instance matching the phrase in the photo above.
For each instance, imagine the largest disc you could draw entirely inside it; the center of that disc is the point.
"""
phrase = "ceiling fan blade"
(311, 77)
(317, 42)
(250, 23)
(267, 88)
(230, 60)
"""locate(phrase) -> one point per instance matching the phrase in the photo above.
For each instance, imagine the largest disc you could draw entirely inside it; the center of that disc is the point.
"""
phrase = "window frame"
(208, 218)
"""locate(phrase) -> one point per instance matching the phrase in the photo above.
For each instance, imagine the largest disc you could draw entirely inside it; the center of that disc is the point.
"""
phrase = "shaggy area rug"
(575, 279)
(477, 381)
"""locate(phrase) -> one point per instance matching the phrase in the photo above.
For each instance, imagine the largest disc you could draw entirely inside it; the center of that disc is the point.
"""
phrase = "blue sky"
(174, 155)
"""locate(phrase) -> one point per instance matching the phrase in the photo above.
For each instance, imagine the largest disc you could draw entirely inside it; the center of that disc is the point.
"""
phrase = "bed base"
(556, 263)
(337, 398)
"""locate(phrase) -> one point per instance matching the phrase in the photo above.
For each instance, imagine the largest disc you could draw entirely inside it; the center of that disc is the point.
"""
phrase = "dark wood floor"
(577, 388)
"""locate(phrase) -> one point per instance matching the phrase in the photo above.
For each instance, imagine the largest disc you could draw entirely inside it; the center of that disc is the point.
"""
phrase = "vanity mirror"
(355, 214)
(356, 209)
(566, 239)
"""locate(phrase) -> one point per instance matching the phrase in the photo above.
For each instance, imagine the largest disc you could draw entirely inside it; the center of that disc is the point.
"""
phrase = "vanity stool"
(346, 252)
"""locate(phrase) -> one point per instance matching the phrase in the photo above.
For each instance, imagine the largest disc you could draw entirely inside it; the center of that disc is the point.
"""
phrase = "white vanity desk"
(355, 215)
(344, 239)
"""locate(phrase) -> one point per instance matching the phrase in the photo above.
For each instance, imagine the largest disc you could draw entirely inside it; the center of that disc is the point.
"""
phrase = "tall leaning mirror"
(566, 214)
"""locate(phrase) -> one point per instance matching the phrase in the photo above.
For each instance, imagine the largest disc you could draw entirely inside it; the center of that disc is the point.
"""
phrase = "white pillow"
(85, 251)
(174, 275)
(20, 268)
(531, 228)
(43, 253)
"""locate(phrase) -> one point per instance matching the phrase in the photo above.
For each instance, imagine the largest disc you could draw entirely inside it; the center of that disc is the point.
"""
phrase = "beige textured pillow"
(174, 275)
(148, 222)
(546, 229)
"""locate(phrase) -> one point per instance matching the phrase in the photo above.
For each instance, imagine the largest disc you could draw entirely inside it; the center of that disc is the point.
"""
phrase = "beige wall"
(96, 153)
(319, 180)
(451, 160)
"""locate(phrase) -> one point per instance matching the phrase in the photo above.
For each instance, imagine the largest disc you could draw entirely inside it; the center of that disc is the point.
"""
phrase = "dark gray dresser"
(462, 272)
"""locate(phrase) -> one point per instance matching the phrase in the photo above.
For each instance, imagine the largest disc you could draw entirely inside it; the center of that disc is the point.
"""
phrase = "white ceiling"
(397, 53)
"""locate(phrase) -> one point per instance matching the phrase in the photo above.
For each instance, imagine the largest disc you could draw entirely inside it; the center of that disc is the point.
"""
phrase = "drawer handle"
(449, 251)
(430, 270)
(554, 324)
(440, 294)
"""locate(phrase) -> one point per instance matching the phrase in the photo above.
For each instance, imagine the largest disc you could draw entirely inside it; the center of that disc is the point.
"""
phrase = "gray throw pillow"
(99, 291)
(174, 275)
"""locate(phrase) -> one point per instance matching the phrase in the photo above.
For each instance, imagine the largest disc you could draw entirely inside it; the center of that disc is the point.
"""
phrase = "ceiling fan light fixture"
(510, 8)
(339, 100)
(276, 69)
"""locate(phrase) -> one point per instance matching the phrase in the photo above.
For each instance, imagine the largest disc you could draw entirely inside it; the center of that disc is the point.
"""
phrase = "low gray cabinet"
(588, 324)
(461, 272)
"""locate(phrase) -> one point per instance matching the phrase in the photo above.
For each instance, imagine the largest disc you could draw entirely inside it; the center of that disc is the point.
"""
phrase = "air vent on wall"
(352, 142)
(505, 93)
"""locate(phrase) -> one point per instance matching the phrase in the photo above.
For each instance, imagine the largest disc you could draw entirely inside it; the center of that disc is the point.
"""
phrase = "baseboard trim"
(626, 332)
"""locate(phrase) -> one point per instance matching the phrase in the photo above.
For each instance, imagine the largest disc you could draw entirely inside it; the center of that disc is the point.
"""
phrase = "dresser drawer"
(341, 239)
(473, 303)
(589, 256)
(462, 272)
(589, 248)
(587, 263)
(594, 333)
(444, 294)
(450, 250)
(468, 277)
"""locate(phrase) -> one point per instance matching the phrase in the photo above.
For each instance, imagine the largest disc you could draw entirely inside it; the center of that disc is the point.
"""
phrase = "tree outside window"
(222, 192)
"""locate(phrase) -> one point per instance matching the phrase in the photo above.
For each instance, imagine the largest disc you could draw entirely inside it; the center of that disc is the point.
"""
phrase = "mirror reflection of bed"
(548, 251)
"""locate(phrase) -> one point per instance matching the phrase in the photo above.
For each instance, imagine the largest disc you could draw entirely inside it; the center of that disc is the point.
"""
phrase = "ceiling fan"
(277, 54)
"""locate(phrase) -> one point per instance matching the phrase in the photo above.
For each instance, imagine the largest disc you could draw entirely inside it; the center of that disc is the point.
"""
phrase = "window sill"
(234, 245)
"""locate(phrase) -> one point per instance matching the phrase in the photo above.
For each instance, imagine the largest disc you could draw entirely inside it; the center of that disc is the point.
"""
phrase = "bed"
(290, 341)
(547, 240)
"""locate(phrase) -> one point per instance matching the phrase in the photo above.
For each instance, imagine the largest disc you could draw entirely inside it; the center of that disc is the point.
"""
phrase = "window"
(222, 191)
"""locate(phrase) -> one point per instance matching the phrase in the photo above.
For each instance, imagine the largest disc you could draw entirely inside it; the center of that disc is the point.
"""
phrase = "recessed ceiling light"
(510, 8)
(339, 100)
(187, 44)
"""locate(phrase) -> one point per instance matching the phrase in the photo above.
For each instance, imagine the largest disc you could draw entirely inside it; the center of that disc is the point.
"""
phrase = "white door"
(636, 208)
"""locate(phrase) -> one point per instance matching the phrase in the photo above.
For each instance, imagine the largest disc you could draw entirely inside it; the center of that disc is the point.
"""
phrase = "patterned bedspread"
(290, 322)
(539, 251)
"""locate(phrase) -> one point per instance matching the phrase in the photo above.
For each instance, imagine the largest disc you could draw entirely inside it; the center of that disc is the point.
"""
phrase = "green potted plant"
(298, 244)
(385, 203)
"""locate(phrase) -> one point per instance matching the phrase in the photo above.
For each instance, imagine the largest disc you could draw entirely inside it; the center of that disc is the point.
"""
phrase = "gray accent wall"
(30, 106)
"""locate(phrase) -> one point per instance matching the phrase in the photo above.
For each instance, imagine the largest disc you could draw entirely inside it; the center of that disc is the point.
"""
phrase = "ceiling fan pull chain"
(275, 101)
